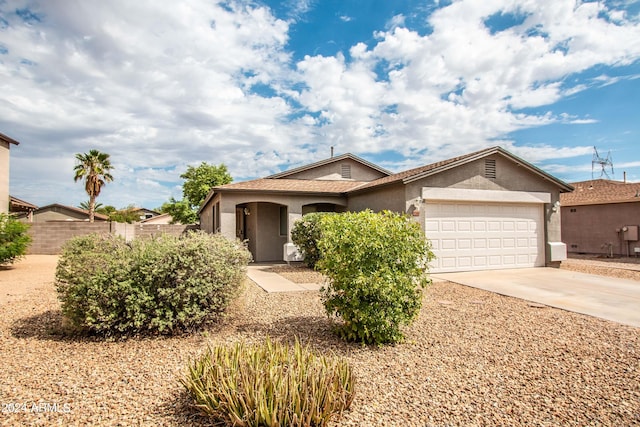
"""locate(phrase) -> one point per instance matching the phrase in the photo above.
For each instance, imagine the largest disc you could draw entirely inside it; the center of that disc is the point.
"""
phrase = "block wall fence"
(48, 237)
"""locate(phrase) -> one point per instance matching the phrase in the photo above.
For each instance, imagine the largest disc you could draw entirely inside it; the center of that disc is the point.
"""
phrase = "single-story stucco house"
(58, 212)
(484, 210)
(602, 216)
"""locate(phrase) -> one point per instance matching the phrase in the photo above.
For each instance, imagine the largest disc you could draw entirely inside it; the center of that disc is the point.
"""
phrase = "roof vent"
(346, 171)
(490, 168)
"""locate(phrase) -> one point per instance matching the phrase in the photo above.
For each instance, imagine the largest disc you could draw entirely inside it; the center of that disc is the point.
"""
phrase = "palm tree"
(85, 205)
(93, 168)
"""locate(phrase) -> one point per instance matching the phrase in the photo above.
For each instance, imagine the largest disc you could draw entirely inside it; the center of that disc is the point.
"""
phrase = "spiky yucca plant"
(269, 384)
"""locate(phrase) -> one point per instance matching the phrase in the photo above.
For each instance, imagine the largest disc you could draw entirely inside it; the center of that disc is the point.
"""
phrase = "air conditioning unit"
(291, 253)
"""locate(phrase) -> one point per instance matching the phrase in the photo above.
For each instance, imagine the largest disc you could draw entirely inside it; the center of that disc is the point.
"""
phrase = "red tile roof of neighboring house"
(601, 191)
(8, 140)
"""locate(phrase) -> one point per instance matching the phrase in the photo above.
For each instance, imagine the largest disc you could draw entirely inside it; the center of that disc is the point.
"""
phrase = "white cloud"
(160, 87)
(395, 22)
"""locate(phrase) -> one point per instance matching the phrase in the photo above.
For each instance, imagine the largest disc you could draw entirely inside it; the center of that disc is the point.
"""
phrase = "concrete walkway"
(264, 277)
(604, 297)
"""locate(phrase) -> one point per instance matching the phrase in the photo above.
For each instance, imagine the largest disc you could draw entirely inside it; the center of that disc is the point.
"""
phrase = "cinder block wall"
(146, 231)
(48, 237)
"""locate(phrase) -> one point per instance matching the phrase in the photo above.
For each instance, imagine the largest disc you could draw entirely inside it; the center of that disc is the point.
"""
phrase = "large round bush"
(158, 285)
(377, 268)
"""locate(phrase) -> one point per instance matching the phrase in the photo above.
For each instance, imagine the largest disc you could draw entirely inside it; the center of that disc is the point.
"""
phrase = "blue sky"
(263, 86)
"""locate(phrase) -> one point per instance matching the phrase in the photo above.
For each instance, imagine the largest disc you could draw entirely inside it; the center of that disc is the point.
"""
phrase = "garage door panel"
(479, 243)
(476, 236)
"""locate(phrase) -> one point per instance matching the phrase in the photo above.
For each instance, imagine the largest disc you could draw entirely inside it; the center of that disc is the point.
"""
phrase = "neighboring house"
(158, 219)
(602, 217)
(56, 212)
(484, 210)
(145, 213)
(20, 207)
(5, 148)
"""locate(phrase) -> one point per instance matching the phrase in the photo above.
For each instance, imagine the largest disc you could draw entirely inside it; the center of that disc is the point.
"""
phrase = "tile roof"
(73, 209)
(601, 191)
(422, 171)
(278, 183)
(401, 176)
(14, 201)
(330, 160)
(293, 185)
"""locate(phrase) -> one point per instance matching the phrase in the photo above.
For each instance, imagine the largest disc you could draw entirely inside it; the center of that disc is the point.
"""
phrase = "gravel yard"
(472, 358)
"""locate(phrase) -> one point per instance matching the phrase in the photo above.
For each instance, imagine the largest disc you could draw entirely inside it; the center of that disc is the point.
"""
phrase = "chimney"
(332, 153)
(624, 176)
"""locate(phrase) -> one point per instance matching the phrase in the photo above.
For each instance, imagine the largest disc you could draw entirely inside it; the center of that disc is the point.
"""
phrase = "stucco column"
(294, 211)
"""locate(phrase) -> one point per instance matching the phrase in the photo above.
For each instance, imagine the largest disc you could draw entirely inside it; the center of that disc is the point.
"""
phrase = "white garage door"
(484, 236)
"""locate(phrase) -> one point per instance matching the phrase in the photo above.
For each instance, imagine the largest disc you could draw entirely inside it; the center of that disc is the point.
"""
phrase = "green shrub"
(269, 384)
(305, 235)
(14, 239)
(376, 265)
(159, 285)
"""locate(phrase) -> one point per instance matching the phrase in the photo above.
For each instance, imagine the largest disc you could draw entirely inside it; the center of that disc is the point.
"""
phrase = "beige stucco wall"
(262, 225)
(391, 197)
(333, 171)
(4, 177)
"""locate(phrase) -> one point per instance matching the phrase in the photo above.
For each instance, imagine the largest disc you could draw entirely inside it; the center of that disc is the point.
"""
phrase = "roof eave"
(8, 139)
(288, 192)
(600, 202)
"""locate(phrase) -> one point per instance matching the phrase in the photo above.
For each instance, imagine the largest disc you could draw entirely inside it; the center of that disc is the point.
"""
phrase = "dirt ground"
(26, 275)
(471, 358)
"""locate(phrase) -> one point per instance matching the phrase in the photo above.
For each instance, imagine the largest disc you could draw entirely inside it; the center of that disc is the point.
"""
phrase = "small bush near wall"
(159, 285)
(14, 239)
(376, 264)
(306, 233)
(269, 384)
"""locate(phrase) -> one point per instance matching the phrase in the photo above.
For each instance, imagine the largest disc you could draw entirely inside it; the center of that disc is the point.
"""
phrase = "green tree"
(105, 210)
(198, 181)
(14, 239)
(129, 215)
(94, 168)
(180, 211)
(85, 205)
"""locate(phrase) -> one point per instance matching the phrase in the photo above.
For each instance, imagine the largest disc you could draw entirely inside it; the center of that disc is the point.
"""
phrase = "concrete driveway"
(605, 297)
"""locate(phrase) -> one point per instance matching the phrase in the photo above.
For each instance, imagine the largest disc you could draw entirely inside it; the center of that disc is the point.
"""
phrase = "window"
(572, 210)
(490, 168)
(346, 171)
(284, 221)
